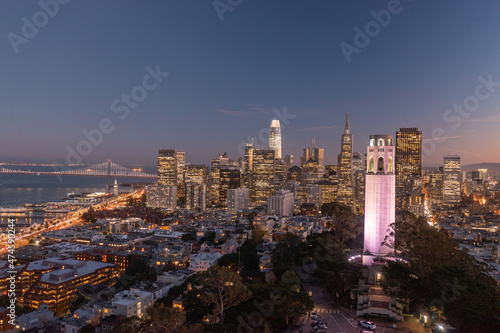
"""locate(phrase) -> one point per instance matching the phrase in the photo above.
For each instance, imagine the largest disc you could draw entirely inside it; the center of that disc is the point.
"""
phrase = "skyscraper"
(380, 196)
(160, 196)
(359, 181)
(408, 165)
(313, 157)
(196, 196)
(198, 173)
(237, 199)
(171, 164)
(345, 167)
(275, 138)
(262, 186)
(229, 178)
(247, 169)
(217, 164)
(451, 180)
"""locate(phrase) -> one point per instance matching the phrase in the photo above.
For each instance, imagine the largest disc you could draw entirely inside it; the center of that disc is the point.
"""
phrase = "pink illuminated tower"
(380, 195)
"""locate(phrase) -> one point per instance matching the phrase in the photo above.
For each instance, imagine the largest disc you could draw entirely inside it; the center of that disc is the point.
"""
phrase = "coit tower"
(380, 196)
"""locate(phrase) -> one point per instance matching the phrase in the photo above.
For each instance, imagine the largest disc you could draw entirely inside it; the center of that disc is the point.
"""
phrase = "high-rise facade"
(237, 199)
(160, 196)
(281, 203)
(275, 138)
(217, 164)
(451, 180)
(196, 196)
(280, 172)
(198, 173)
(345, 167)
(171, 164)
(229, 178)
(312, 159)
(262, 184)
(408, 165)
(380, 196)
(359, 181)
(247, 164)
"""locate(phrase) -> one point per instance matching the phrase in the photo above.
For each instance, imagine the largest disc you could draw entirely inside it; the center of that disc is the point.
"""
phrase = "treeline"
(433, 272)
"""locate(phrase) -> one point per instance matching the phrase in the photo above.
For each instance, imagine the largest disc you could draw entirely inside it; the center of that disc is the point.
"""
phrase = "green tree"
(286, 255)
(224, 289)
(345, 225)
(197, 305)
(163, 319)
(128, 325)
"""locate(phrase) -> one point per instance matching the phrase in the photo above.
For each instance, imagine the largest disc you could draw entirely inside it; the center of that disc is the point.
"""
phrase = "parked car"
(314, 315)
(367, 324)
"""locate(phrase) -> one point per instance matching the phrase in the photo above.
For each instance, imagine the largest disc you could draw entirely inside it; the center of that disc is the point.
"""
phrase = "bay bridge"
(106, 169)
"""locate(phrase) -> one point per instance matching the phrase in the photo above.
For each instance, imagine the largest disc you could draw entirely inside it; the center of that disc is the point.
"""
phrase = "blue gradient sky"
(227, 76)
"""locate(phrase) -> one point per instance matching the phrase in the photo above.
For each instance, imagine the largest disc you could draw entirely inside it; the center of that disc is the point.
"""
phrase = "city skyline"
(56, 85)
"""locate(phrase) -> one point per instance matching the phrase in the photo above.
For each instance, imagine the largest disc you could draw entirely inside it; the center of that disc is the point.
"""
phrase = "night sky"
(226, 77)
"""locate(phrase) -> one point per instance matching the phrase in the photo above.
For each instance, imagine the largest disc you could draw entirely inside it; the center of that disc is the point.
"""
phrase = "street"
(338, 320)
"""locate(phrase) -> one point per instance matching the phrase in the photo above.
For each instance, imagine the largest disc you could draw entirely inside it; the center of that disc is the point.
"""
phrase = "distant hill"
(470, 167)
(489, 166)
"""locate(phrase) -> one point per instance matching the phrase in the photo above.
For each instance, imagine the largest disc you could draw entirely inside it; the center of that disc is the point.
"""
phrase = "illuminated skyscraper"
(159, 196)
(345, 167)
(408, 165)
(313, 158)
(451, 180)
(198, 173)
(380, 196)
(196, 196)
(262, 186)
(171, 164)
(230, 177)
(359, 181)
(275, 138)
(247, 168)
(280, 172)
(237, 199)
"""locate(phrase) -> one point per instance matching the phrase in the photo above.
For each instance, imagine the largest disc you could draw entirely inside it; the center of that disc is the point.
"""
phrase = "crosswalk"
(332, 311)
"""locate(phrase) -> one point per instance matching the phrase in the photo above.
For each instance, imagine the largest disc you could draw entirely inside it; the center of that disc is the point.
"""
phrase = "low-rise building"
(133, 302)
(34, 319)
(201, 262)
